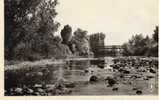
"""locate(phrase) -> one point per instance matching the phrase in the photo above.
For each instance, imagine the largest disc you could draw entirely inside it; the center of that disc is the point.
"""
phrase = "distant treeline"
(139, 45)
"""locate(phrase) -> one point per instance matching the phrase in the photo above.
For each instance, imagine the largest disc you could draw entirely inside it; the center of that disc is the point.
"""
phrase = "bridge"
(109, 50)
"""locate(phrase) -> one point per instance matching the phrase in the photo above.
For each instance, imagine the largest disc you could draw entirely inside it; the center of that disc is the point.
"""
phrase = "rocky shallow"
(125, 76)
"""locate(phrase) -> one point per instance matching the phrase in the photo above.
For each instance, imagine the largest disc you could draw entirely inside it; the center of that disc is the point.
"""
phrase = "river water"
(81, 80)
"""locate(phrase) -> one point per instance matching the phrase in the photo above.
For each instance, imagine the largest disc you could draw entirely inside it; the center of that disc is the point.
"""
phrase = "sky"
(118, 19)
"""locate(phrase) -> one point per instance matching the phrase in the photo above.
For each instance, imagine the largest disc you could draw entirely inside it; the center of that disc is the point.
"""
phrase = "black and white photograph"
(81, 47)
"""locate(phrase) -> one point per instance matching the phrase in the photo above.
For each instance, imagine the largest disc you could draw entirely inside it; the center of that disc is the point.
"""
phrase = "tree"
(58, 50)
(66, 34)
(140, 46)
(155, 35)
(136, 46)
(81, 42)
(29, 24)
(153, 51)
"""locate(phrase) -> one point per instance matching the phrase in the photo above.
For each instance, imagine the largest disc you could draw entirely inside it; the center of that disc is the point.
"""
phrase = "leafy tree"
(66, 34)
(136, 46)
(81, 42)
(59, 50)
(29, 26)
(153, 51)
(155, 35)
(80, 34)
(140, 46)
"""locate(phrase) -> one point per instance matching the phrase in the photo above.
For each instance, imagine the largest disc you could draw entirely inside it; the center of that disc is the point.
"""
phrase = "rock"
(66, 91)
(138, 92)
(115, 89)
(120, 70)
(18, 90)
(5, 91)
(39, 73)
(69, 85)
(93, 79)
(145, 78)
(36, 93)
(152, 70)
(11, 90)
(27, 74)
(135, 76)
(101, 66)
(30, 91)
(126, 72)
(37, 86)
(150, 75)
(134, 88)
(92, 72)
(111, 81)
(130, 83)
(57, 92)
(40, 90)
(86, 71)
(43, 94)
(45, 71)
(50, 88)
(59, 86)
(70, 91)
(49, 94)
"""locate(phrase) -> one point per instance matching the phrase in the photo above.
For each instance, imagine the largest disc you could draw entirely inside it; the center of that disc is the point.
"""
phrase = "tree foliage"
(142, 46)
(59, 50)
(29, 27)
(81, 42)
(136, 46)
(66, 34)
(155, 35)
